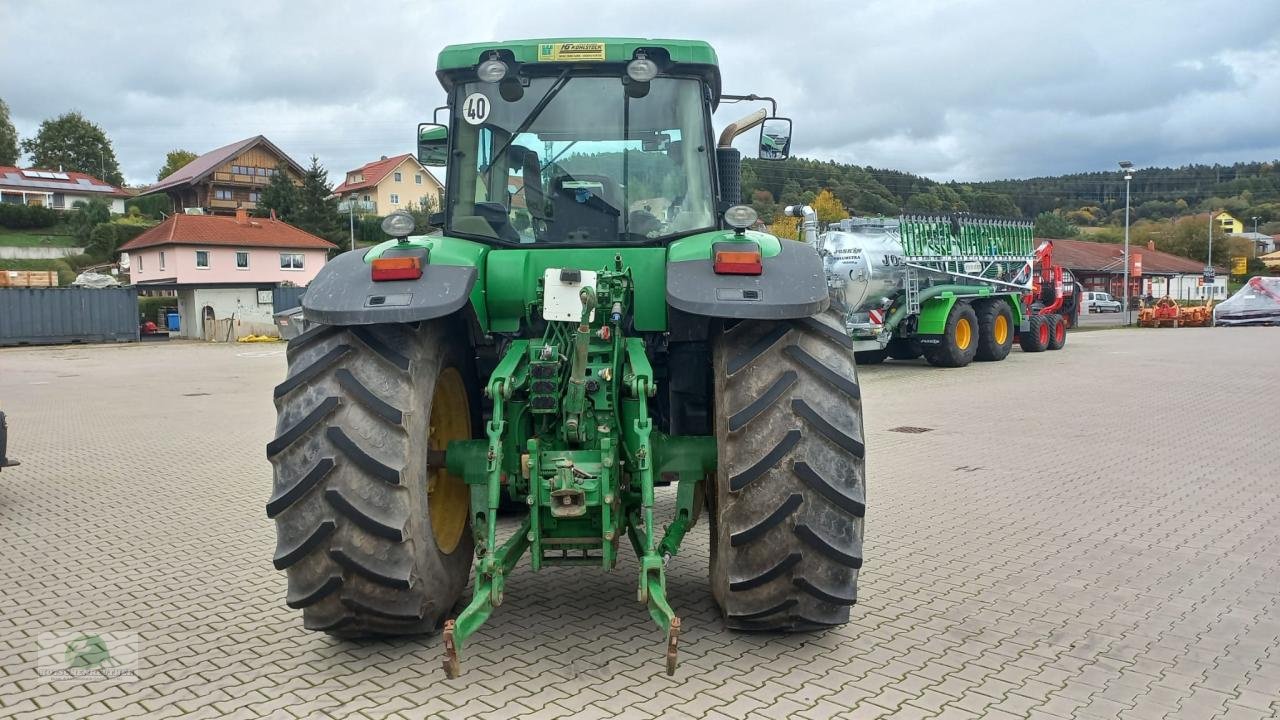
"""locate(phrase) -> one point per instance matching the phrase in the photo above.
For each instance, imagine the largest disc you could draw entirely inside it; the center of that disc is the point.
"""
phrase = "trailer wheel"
(995, 330)
(959, 339)
(1036, 338)
(789, 497)
(870, 357)
(374, 541)
(1057, 332)
(904, 349)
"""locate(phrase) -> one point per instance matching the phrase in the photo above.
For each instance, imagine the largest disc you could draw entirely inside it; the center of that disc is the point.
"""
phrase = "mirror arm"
(753, 97)
(740, 126)
(435, 114)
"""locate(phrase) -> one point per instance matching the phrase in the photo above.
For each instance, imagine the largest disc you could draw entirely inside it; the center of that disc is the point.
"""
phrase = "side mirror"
(775, 139)
(433, 144)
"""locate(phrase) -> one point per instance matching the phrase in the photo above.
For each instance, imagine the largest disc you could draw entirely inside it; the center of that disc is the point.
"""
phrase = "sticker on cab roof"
(570, 51)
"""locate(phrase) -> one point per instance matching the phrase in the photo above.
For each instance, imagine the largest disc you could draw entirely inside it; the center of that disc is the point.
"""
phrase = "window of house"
(255, 196)
(139, 263)
(161, 259)
(366, 198)
(222, 194)
(417, 178)
(242, 259)
(202, 258)
(395, 199)
(399, 177)
(291, 261)
(263, 172)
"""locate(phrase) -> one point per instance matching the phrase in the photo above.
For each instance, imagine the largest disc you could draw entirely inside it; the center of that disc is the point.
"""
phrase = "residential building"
(224, 180)
(1226, 223)
(1259, 243)
(57, 189)
(392, 183)
(1100, 267)
(223, 269)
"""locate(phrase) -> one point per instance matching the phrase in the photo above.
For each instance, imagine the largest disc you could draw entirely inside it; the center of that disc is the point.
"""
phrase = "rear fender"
(344, 293)
(792, 285)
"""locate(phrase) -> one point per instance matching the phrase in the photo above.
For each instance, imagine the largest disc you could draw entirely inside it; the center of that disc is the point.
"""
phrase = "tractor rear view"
(951, 288)
(593, 322)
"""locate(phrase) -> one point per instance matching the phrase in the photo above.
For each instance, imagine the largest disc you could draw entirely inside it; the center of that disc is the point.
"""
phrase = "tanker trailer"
(953, 288)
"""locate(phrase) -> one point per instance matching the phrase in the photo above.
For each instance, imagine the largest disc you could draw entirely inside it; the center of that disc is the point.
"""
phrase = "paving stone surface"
(1091, 533)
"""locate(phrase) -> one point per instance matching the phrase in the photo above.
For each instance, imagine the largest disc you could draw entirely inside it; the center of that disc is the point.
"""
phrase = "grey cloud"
(966, 89)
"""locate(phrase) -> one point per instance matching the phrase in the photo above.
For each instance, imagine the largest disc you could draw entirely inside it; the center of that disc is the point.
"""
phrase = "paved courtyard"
(1092, 533)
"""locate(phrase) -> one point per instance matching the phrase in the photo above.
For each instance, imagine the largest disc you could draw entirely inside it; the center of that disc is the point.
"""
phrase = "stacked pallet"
(28, 278)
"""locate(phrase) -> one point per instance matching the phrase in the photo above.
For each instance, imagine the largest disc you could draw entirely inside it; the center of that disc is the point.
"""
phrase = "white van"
(1100, 302)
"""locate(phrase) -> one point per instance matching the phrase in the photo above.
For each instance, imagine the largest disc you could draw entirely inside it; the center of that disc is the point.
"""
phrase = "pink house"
(224, 268)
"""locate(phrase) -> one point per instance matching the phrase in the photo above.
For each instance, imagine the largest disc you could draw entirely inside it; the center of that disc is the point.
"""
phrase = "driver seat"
(585, 213)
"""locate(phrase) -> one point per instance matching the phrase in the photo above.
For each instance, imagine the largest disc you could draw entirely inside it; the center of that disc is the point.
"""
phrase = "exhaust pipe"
(808, 222)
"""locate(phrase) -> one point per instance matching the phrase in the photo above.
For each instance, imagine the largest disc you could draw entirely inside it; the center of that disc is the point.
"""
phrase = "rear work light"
(736, 258)
(396, 268)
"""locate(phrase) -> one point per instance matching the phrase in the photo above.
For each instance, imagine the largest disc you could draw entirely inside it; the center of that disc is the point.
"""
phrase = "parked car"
(1100, 302)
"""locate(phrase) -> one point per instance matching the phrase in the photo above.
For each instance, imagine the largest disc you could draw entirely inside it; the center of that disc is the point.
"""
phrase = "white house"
(56, 189)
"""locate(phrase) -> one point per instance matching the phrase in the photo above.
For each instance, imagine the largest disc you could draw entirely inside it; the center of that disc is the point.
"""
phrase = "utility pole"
(1128, 175)
(351, 218)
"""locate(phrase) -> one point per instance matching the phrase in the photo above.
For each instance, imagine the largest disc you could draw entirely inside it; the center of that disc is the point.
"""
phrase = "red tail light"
(396, 268)
(736, 259)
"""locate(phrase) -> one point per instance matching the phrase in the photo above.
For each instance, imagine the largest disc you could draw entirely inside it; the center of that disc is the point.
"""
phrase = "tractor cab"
(583, 143)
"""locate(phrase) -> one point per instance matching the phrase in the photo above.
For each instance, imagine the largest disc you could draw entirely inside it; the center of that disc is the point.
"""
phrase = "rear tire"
(353, 514)
(1036, 338)
(1057, 332)
(995, 330)
(959, 339)
(789, 497)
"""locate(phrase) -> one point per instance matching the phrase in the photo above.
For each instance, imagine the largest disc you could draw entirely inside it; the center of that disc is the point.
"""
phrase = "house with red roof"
(392, 183)
(224, 269)
(1100, 267)
(226, 179)
(57, 189)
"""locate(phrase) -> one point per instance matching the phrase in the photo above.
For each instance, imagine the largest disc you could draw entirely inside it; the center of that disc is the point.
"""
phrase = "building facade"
(57, 189)
(1100, 267)
(222, 269)
(392, 183)
(226, 179)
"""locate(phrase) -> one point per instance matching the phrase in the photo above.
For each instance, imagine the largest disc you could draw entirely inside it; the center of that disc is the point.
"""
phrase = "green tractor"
(594, 321)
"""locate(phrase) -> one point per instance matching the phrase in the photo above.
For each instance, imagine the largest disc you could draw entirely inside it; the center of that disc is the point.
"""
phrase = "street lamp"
(1255, 224)
(1127, 167)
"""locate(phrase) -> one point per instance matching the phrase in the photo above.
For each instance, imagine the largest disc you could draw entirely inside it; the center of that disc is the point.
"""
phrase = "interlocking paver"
(1061, 557)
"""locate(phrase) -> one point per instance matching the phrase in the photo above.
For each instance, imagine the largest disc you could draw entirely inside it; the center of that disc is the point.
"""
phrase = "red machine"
(1053, 305)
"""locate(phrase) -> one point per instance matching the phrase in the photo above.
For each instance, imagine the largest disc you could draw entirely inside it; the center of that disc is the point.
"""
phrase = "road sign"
(1239, 265)
(1208, 274)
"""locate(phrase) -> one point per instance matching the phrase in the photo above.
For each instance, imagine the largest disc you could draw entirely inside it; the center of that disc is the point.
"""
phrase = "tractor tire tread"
(788, 502)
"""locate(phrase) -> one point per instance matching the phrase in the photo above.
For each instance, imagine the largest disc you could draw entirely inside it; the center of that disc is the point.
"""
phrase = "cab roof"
(695, 55)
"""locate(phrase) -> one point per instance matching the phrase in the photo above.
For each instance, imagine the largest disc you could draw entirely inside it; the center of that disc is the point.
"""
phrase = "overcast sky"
(965, 89)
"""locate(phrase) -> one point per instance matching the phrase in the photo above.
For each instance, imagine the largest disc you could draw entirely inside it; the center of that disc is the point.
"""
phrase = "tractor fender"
(343, 293)
(793, 285)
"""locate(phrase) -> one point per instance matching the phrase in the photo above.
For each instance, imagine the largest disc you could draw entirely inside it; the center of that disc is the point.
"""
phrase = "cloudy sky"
(951, 89)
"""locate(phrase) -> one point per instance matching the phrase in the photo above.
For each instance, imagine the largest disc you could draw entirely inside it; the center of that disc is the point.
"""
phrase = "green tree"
(104, 238)
(1053, 225)
(73, 143)
(8, 137)
(280, 195)
(85, 217)
(174, 160)
(317, 213)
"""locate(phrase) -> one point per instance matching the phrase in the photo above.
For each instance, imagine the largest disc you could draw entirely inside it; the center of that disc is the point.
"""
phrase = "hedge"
(22, 217)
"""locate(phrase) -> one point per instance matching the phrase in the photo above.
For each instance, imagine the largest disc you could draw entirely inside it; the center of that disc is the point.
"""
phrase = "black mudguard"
(345, 294)
(793, 285)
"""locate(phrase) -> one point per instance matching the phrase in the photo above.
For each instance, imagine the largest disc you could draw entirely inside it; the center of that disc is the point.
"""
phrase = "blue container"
(171, 319)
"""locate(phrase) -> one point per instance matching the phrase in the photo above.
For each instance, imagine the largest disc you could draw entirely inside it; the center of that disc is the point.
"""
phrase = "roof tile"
(222, 230)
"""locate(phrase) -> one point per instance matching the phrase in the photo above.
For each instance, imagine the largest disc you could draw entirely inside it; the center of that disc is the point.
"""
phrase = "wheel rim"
(964, 333)
(1001, 330)
(447, 501)
(1059, 333)
(1044, 333)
